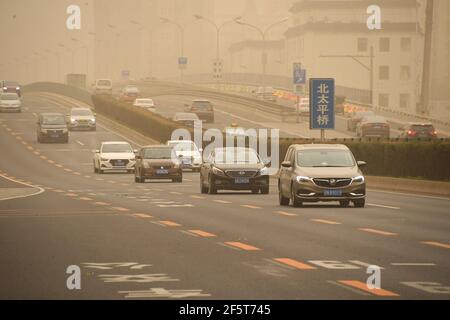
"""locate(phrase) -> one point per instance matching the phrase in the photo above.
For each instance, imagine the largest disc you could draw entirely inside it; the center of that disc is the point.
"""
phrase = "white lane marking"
(40, 190)
(413, 264)
(382, 206)
(411, 195)
(80, 143)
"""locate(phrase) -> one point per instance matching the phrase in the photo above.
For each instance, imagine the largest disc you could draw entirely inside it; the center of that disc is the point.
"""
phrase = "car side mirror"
(361, 163)
(138, 157)
(266, 161)
(200, 150)
(96, 151)
(286, 164)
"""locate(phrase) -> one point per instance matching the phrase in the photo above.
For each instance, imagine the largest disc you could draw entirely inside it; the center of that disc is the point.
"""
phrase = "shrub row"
(394, 158)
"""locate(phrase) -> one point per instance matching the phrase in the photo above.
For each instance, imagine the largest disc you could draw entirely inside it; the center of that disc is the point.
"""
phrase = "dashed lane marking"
(202, 233)
(413, 264)
(176, 193)
(295, 264)
(80, 143)
(120, 209)
(287, 214)
(85, 199)
(383, 206)
(362, 286)
(142, 215)
(197, 197)
(99, 203)
(326, 221)
(222, 201)
(436, 244)
(242, 246)
(71, 194)
(381, 232)
(170, 223)
(248, 206)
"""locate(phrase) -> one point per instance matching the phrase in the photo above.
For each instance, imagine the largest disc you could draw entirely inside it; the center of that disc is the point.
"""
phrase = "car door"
(284, 175)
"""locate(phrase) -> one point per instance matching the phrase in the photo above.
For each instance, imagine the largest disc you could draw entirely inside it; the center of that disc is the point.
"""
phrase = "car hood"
(119, 155)
(194, 154)
(10, 102)
(228, 166)
(160, 162)
(54, 126)
(82, 117)
(346, 172)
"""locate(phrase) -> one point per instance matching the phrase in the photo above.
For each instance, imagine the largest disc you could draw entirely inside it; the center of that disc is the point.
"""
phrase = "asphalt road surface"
(166, 240)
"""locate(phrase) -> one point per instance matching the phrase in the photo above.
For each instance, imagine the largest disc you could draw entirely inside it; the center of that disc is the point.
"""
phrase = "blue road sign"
(321, 97)
(299, 74)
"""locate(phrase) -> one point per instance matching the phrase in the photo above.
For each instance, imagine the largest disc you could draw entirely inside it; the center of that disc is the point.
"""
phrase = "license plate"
(187, 161)
(55, 135)
(241, 180)
(119, 162)
(161, 171)
(333, 193)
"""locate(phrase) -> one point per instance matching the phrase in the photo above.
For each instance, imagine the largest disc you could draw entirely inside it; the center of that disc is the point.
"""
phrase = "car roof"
(235, 148)
(80, 108)
(51, 114)
(319, 146)
(115, 142)
(200, 100)
(420, 123)
(159, 146)
(180, 141)
(374, 119)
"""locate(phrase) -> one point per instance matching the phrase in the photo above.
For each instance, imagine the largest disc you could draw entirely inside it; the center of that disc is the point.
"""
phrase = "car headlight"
(303, 179)
(358, 179)
(218, 172)
(73, 120)
(92, 120)
(104, 159)
(263, 172)
(146, 165)
(176, 165)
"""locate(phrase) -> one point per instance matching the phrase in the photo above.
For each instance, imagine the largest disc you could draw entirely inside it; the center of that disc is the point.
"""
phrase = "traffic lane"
(121, 253)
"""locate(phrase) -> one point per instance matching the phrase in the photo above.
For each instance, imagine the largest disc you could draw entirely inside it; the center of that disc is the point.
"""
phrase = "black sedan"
(234, 169)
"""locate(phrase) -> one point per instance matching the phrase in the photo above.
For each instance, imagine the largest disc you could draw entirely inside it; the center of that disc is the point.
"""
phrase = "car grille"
(54, 131)
(119, 162)
(162, 167)
(241, 173)
(332, 182)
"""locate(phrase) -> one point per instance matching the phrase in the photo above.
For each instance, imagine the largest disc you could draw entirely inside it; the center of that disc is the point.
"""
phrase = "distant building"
(339, 27)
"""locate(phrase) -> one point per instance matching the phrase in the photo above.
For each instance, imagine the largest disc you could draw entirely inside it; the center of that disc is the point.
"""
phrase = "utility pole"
(423, 106)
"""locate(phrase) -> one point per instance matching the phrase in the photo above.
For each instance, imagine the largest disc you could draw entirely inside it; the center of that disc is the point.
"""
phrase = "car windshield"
(157, 153)
(131, 89)
(325, 158)
(202, 105)
(183, 146)
(371, 119)
(236, 156)
(82, 112)
(10, 84)
(8, 97)
(104, 83)
(54, 120)
(362, 114)
(117, 148)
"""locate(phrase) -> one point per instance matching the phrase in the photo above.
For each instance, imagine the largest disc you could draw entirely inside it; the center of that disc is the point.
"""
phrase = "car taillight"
(433, 132)
(193, 109)
(210, 109)
(411, 133)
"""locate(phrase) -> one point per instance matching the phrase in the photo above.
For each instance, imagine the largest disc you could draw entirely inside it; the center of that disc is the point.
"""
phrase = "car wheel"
(95, 169)
(211, 188)
(344, 203)
(359, 203)
(295, 202)
(282, 199)
(265, 190)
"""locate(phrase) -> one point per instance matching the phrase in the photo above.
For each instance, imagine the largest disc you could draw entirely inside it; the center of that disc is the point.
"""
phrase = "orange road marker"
(295, 264)
(202, 233)
(242, 246)
(384, 233)
(362, 286)
(437, 244)
(170, 223)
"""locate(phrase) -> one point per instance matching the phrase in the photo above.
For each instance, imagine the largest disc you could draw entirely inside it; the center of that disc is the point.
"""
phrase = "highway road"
(164, 240)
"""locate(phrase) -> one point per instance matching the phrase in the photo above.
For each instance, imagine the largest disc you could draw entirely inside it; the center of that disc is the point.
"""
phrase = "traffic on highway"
(264, 171)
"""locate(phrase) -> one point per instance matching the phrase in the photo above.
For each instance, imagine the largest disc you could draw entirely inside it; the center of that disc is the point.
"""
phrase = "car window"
(288, 155)
(82, 112)
(202, 105)
(425, 127)
(53, 120)
(116, 148)
(236, 156)
(325, 158)
(158, 153)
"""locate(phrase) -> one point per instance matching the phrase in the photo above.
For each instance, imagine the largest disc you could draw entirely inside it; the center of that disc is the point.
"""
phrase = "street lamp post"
(180, 27)
(263, 34)
(218, 29)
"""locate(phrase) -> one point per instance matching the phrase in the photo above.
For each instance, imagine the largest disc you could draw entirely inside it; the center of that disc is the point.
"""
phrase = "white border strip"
(41, 190)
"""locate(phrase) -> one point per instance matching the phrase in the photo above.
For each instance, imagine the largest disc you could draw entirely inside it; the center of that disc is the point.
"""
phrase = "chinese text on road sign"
(321, 92)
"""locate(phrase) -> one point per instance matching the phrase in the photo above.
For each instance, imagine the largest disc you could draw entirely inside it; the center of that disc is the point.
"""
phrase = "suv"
(234, 169)
(204, 109)
(52, 127)
(321, 172)
(103, 86)
(10, 102)
(129, 94)
(418, 131)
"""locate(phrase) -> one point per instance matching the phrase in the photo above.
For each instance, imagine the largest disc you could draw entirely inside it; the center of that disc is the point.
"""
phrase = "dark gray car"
(52, 127)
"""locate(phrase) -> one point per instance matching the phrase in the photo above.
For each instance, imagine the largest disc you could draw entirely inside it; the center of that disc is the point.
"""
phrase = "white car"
(114, 155)
(188, 153)
(81, 119)
(103, 86)
(10, 102)
(145, 103)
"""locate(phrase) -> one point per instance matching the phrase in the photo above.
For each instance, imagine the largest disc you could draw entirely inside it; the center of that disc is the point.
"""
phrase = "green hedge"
(148, 123)
(394, 158)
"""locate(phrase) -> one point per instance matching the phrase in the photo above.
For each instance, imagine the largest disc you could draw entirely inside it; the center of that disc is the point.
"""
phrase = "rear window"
(53, 120)
(202, 105)
(104, 83)
(422, 127)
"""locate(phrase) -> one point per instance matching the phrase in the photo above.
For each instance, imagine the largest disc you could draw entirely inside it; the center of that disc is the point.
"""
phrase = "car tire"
(203, 189)
(344, 203)
(359, 203)
(282, 199)
(211, 188)
(95, 169)
(295, 202)
(265, 190)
